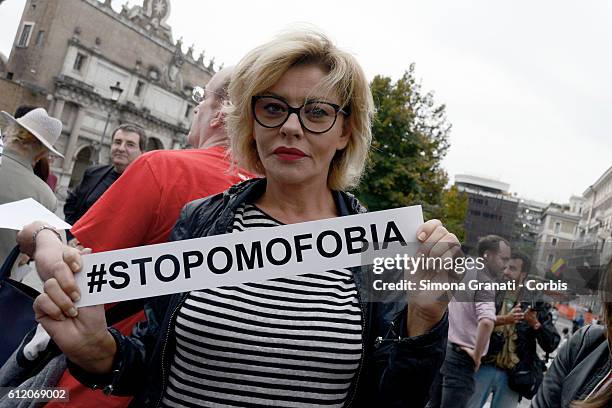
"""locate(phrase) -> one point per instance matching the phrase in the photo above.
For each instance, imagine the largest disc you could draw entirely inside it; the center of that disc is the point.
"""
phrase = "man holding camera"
(512, 369)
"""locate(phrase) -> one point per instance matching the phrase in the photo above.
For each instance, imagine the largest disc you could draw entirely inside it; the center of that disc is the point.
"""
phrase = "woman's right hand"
(81, 334)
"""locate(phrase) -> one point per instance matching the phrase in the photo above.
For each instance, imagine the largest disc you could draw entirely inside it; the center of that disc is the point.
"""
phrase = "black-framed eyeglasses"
(314, 116)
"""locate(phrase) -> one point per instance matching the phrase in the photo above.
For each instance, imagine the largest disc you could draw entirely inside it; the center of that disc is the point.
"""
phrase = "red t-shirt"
(141, 208)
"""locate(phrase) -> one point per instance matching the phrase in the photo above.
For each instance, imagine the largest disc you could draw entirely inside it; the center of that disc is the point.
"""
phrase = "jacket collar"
(14, 155)
(252, 189)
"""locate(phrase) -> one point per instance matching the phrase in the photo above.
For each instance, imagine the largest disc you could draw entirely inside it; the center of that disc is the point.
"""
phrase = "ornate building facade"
(67, 54)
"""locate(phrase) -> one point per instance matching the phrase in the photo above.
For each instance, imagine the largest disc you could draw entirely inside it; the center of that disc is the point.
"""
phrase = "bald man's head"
(207, 121)
(219, 84)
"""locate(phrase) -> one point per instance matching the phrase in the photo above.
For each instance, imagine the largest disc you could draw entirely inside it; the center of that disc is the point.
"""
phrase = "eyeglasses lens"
(316, 117)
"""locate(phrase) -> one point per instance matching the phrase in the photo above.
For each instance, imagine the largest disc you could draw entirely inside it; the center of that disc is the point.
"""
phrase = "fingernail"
(422, 236)
(73, 312)
(75, 296)
(75, 266)
(62, 317)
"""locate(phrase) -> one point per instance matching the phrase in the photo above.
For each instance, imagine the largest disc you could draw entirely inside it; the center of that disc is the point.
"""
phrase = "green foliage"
(451, 211)
(410, 138)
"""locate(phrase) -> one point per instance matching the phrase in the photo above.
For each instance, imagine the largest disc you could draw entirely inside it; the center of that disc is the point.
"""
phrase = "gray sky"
(526, 83)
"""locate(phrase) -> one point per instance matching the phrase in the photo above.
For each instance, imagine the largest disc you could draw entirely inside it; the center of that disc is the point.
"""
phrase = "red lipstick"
(289, 153)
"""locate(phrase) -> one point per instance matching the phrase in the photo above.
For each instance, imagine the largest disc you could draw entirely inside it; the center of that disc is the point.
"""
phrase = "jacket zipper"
(163, 356)
(598, 384)
(170, 325)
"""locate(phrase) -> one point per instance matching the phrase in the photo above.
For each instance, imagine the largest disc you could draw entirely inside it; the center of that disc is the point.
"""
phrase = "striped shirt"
(291, 342)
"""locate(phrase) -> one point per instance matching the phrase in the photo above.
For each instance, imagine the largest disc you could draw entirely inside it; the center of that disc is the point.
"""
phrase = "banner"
(251, 256)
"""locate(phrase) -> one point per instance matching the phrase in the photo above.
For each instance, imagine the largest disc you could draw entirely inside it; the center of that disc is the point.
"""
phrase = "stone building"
(67, 54)
(594, 232)
(528, 224)
(556, 238)
(3, 61)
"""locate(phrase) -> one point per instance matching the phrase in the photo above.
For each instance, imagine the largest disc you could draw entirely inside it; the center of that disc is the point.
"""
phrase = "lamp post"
(116, 92)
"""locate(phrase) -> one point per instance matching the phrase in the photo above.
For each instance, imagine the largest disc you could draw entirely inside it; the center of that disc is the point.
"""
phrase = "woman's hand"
(53, 258)
(426, 308)
(82, 335)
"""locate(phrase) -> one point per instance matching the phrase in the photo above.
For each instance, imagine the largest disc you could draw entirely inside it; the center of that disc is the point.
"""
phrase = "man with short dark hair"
(471, 318)
(521, 324)
(495, 251)
(127, 144)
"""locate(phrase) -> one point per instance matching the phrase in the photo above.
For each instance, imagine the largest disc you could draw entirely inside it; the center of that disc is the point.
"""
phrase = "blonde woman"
(300, 115)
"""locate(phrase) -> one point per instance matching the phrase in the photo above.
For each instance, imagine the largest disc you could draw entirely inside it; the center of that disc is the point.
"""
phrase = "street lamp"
(116, 92)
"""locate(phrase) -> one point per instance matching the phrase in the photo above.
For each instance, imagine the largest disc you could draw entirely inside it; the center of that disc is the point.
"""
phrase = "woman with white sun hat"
(26, 140)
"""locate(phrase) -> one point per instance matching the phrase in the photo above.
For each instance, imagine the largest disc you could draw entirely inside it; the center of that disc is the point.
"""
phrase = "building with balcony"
(528, 224)
(67, 54)
(594, 232)
(556, 238)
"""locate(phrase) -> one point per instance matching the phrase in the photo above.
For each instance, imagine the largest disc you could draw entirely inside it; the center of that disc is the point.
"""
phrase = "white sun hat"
(38, 122)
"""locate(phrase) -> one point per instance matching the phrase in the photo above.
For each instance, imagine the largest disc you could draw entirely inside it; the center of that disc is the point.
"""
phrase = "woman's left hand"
(426, 308)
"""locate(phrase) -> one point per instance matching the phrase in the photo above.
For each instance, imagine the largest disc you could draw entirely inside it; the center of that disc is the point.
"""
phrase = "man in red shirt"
(142, 206)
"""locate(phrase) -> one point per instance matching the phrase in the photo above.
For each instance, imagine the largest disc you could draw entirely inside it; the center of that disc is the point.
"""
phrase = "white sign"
(249, 256)
(18, 214)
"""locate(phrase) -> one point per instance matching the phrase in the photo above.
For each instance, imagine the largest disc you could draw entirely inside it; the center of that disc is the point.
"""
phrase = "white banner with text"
(249, 256)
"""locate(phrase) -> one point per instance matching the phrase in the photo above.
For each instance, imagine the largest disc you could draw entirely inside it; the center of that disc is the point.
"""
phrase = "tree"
(410, 138)
(452, 210)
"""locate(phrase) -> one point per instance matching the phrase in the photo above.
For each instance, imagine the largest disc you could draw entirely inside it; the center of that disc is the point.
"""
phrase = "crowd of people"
(278, 139)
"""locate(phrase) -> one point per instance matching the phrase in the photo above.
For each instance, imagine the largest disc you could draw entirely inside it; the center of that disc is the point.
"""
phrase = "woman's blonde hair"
(261, 68)
(17, 135)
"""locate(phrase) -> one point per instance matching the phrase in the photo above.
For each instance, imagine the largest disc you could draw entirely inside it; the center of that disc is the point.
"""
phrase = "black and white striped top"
(291, 342)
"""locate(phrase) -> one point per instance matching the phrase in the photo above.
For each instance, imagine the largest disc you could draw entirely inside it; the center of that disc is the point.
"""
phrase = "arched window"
(154, 143)
(82, 161)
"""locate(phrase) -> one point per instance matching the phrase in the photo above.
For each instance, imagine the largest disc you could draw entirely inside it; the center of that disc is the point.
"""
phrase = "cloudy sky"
(527, 84)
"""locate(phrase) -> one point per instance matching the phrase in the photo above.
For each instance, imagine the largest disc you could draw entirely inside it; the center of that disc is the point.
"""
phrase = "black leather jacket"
(395, 371)
(79, 199)
(546, 336)
(527, 338)
(581, 364)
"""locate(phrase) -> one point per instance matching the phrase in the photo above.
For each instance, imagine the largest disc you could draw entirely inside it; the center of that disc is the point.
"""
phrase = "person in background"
(22, 110)
(127, 144)
(27, 139)
(521, 334)
(471, 316)
(42, 168)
